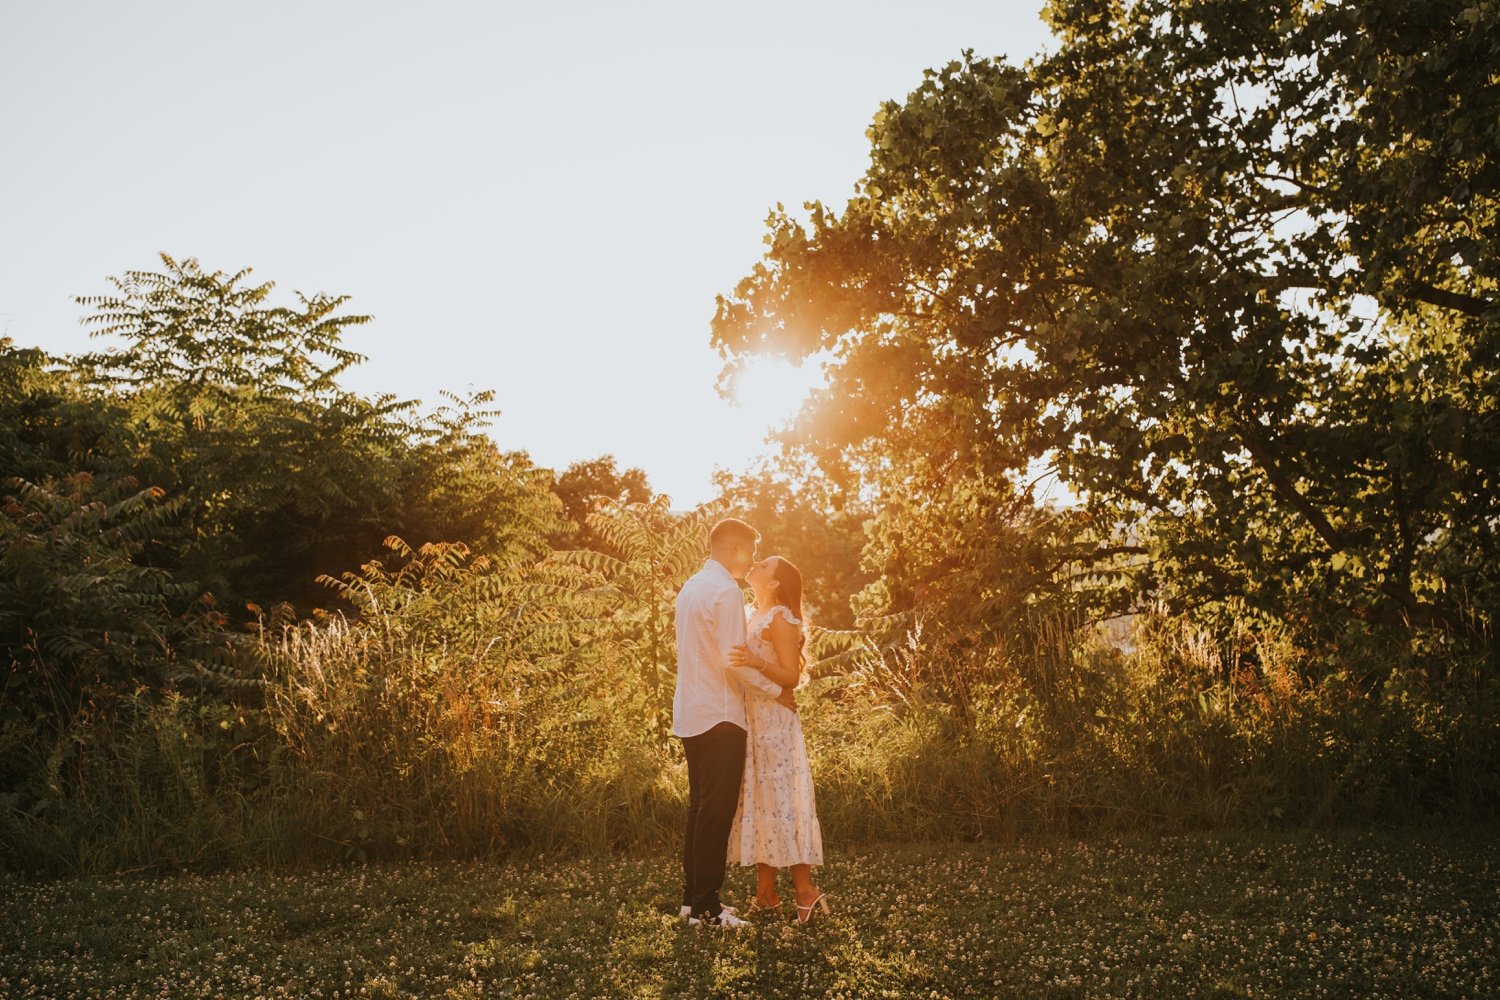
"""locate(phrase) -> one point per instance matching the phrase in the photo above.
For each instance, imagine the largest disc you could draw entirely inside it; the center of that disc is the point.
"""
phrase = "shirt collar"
(713, 565)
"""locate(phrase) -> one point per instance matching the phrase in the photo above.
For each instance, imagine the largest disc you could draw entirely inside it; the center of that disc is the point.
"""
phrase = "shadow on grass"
(769, 956)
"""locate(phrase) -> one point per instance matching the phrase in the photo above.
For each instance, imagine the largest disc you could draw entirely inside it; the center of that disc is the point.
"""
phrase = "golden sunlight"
(770, 390)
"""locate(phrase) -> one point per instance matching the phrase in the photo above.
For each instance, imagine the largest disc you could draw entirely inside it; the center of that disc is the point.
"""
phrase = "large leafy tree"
(1230, 267)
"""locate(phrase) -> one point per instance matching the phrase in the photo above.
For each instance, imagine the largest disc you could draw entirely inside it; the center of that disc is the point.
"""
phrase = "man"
(708, 713)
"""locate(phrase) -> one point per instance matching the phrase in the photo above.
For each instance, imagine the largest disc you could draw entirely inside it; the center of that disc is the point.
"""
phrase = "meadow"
(1369, 913)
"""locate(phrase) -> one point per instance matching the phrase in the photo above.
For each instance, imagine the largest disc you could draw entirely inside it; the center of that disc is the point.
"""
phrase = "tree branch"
(1260, 450)
(1422, 291)
(1469, 305)
(1418, 612)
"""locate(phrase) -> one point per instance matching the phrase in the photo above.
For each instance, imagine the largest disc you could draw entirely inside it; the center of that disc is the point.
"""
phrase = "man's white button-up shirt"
(711, 622)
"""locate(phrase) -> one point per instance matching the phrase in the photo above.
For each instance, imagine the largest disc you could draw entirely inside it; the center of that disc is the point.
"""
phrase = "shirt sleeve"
(729, 632)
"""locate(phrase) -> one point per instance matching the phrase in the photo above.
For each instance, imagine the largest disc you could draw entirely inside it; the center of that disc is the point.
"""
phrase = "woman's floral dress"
(776, 822)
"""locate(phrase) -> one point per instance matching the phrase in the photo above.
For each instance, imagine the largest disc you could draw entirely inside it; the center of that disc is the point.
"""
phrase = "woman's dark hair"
(789, 592)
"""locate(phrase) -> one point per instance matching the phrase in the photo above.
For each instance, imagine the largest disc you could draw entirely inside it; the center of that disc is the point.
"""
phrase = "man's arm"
(729, 632)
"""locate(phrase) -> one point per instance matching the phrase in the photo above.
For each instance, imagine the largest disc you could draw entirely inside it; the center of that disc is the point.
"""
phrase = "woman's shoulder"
(784, 613)
(763, 619)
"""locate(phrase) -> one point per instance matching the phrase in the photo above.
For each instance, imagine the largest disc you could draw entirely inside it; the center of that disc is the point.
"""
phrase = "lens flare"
(771, 390)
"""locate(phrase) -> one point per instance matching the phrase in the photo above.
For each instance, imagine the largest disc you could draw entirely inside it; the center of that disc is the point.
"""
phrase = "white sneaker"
(687, 911)
(726, 920)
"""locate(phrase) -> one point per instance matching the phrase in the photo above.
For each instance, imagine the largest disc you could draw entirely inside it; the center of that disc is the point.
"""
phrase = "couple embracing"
(750, 794)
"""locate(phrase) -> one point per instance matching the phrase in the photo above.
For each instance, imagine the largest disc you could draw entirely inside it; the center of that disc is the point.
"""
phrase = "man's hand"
(788, 699)
(740, 656)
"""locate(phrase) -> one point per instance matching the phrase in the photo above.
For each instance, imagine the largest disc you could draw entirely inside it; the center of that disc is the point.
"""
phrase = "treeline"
(207, 472)
(182, 508)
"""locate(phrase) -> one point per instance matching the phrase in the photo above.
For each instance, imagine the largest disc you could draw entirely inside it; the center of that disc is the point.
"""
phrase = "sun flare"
(771, 390)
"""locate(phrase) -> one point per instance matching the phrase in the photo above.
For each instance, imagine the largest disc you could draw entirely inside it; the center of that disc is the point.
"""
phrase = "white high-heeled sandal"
(822, 899)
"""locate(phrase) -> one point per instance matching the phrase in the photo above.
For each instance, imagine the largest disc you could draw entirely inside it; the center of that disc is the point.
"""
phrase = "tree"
(625, 601)
(234, 405)
(582, 486)
(798, 516)
(458, 486)
(1232, 268)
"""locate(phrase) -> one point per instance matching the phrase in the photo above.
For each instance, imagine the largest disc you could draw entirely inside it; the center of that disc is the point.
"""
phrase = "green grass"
(1389, 913)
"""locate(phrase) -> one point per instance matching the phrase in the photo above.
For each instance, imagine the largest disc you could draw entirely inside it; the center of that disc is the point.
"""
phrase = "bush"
(474, 707)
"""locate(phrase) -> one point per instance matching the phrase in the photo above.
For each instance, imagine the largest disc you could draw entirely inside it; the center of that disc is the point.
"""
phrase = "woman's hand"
(740, 656)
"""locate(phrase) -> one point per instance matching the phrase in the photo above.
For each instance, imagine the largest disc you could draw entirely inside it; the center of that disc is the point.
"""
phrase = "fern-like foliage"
(231, 402)
(190, 328)
(625, 600)
(81, 618)
(440, 595)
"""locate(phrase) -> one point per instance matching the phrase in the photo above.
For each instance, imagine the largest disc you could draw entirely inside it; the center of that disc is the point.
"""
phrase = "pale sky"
(541, 199)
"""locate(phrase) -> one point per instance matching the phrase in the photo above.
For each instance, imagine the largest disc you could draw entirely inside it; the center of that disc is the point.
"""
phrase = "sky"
(541, 200)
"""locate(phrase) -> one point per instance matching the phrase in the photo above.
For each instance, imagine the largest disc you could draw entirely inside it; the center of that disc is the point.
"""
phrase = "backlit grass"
(1355, 914)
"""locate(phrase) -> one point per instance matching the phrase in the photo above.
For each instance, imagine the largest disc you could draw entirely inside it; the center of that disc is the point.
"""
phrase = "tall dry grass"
(403, 734)
(1187, 730)
(399, 746)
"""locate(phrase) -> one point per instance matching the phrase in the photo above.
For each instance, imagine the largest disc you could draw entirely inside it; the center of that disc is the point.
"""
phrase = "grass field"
(1391, 913)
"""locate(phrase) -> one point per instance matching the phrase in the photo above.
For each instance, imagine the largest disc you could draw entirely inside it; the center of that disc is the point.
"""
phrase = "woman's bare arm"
(786, 640)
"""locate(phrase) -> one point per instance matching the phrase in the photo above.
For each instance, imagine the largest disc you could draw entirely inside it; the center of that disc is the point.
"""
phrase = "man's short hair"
(731, 530)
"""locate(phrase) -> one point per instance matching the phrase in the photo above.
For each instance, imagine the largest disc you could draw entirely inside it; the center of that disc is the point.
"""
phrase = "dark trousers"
(716, 763)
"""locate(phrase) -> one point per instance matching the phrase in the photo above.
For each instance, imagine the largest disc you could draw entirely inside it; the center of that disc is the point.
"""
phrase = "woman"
(776, 824)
